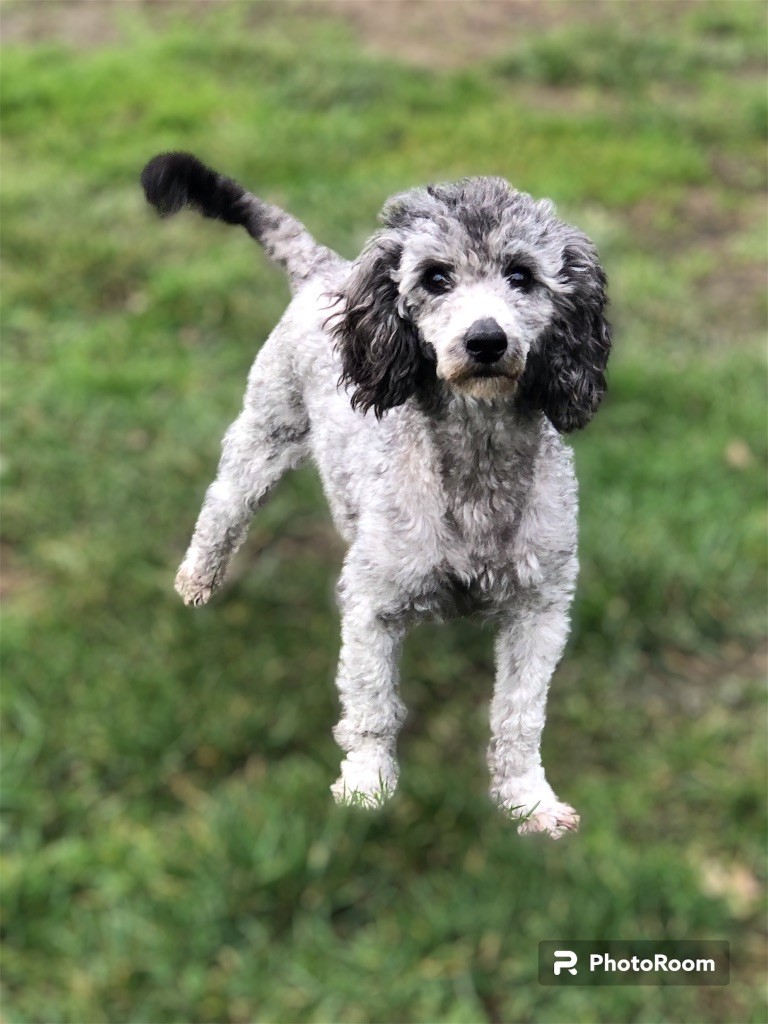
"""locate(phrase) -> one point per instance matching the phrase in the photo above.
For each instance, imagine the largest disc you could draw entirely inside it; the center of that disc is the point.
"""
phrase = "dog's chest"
(486, 478)
(479, 564)
(459, 524)
(475, 567)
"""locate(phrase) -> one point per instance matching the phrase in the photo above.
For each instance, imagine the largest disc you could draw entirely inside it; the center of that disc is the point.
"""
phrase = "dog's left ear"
(565, 372)
(378, 344)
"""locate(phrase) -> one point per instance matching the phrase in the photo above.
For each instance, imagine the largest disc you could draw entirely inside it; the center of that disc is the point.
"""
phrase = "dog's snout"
(486, 341)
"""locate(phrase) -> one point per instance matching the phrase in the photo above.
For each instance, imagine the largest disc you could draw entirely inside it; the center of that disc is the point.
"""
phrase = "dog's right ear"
(378, 344)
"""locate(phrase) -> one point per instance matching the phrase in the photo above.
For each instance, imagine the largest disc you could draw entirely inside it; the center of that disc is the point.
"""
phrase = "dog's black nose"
(485, 341)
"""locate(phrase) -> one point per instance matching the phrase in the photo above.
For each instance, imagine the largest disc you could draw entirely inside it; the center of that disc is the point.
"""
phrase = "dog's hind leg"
(269, 436)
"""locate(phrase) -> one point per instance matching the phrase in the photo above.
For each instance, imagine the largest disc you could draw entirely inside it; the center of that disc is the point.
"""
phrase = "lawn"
(171, 850)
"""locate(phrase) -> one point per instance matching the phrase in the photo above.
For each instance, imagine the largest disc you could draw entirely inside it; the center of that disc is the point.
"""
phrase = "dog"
(430, 380)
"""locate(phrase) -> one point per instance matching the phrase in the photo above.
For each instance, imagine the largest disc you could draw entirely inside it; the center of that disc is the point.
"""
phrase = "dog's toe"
(554, 819)
(192, 589)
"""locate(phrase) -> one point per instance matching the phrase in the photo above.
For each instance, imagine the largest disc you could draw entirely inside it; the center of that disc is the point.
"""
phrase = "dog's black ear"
(565, 372)
(378, 344)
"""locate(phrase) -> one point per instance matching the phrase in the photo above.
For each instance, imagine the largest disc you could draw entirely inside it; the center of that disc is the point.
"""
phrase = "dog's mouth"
(485, 372)
(484, 380)
(487, 383)
(506, 377)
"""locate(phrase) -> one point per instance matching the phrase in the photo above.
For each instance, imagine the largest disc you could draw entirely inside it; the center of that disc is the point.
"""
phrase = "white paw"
(193, 586)
(366, 780)
(529, 800)
(554, 818)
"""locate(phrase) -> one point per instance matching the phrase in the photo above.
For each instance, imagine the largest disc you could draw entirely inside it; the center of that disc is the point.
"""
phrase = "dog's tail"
(172, 181)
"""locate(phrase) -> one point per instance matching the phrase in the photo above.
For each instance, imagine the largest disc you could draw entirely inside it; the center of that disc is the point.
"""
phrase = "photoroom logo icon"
(565, 960)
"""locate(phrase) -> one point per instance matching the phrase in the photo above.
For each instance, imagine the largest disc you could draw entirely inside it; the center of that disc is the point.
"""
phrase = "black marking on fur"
(172, 181)
(565, 372)
(381, 353)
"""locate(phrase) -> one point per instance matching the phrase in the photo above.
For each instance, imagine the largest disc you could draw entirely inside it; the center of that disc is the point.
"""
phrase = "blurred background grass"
(171, 849)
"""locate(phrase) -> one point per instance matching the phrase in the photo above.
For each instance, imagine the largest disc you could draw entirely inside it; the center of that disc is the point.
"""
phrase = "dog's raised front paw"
(193, 587)
(556, 819)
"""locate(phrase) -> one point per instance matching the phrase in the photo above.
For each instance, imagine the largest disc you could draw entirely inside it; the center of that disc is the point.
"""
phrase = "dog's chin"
(486, 386)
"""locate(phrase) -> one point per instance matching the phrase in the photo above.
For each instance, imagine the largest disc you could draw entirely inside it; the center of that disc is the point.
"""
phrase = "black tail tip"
(173, 180)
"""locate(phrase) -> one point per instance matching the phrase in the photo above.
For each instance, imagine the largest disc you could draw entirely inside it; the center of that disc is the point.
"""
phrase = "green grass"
(171, 849)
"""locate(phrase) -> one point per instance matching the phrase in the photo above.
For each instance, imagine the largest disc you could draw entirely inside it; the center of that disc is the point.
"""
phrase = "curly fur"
(472, 328)
(379, 348)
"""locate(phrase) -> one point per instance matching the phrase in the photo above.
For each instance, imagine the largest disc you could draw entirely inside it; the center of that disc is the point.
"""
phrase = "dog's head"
(482, 288)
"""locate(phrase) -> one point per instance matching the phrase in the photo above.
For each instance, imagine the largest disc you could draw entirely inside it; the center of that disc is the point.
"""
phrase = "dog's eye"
(436, 280)
(519, 276)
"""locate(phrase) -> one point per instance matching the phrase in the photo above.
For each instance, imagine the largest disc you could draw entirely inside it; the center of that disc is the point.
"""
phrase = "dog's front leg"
(372, 712)
(258, 448)
(528, 648)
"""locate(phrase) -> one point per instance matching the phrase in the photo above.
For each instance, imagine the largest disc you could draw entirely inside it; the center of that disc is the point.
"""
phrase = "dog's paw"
(554, 819)
(193, 587)
(530, 802)
(365, 781)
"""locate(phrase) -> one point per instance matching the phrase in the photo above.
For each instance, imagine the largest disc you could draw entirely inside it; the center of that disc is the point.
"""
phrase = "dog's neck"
(479, 418)
(481, 444)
